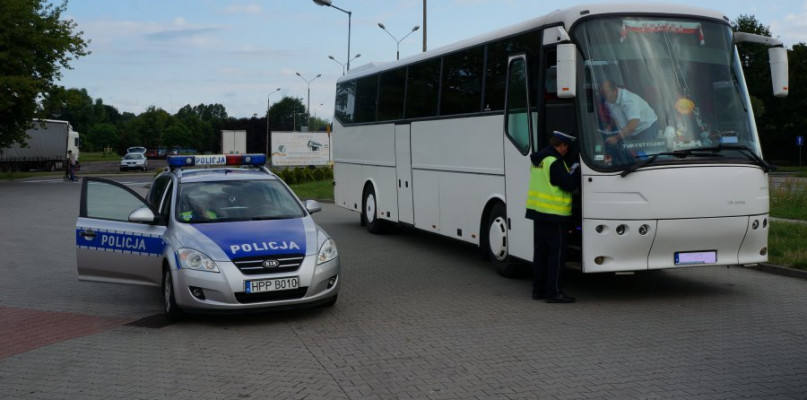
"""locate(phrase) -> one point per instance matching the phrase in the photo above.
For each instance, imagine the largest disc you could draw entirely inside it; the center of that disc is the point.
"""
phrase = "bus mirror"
(567, 70)
(779, 78)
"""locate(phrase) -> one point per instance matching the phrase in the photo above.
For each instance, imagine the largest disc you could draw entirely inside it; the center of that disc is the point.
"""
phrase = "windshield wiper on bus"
(702, 152)
(745, 150)
(677, 154)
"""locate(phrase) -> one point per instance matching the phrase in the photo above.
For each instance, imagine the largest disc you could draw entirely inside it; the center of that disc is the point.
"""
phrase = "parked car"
(152, 154)
(230, 237)
(134, 161)
(136, 149)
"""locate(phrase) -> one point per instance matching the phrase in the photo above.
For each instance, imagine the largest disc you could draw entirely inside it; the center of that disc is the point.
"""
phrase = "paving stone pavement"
(419, 317)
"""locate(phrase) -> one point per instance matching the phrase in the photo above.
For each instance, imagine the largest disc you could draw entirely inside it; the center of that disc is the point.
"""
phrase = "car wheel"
(497, 243)
(172, 311)
(369, 212)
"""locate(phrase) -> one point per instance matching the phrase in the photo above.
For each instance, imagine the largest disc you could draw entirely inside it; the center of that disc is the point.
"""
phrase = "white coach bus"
(441, 140)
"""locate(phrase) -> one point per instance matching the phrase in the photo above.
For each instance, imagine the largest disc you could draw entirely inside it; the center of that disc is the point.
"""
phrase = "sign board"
(301, 148)
(799, 140)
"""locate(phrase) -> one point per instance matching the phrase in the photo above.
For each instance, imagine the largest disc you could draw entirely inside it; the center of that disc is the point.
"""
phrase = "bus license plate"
(695, 257)
(271, 285)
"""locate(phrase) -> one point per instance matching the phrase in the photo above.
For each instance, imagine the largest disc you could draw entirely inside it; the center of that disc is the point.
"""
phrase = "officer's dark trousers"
(548, 259)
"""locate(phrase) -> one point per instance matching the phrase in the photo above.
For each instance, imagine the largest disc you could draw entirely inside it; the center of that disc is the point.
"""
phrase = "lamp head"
(380, 25)
(323, 2)
(415, 28)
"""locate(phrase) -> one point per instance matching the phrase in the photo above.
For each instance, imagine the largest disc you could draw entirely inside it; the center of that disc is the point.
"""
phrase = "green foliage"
(320, 190)
(300, 175)
(99, 137)
(786, 244)
(35, 44)
(286, 114)
(789, 200)
(177, 135)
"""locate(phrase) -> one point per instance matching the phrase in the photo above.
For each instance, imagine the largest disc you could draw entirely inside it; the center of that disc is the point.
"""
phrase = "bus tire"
(369, 211)
(497, 242)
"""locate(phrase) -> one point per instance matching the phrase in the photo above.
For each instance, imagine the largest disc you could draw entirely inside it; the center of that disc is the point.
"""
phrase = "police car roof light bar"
(253, 160)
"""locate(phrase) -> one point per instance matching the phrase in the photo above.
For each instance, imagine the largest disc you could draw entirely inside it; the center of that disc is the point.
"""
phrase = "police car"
(231, 236)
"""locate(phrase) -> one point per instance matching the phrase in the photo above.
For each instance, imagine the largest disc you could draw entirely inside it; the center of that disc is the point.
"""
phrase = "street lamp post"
(397, 41)
(343, 65)
(267, 118)
(329, 3)
(308, 107)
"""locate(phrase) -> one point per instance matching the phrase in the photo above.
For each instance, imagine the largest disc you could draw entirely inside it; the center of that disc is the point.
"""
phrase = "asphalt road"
(418, 317)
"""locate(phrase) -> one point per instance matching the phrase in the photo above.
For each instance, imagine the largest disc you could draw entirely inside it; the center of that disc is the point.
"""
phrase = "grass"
(789, 200)
(86, 156)
(318, 190)
(786, 244)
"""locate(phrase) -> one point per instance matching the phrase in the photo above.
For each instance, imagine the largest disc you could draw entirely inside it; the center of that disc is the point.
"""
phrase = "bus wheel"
(497, 242)
(369, 212)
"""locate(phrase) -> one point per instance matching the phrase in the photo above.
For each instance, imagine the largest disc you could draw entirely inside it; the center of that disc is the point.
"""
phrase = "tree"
(34, 45)
(178, 135)
(286, 114)
(99, 137)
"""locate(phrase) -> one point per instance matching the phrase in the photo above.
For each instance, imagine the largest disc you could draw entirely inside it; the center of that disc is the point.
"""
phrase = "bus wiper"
(745, 150)
(677, 154)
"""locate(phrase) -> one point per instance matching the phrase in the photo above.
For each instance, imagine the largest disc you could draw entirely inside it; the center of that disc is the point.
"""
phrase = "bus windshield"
(662, 90)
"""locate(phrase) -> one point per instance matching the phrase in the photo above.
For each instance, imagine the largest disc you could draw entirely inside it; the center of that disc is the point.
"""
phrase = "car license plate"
(271, 285)
(695, 257)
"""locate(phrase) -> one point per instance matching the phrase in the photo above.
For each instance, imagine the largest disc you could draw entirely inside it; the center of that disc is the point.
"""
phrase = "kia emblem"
(271, 263)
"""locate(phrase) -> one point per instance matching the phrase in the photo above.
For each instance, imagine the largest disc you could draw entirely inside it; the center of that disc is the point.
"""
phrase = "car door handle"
(87, 233)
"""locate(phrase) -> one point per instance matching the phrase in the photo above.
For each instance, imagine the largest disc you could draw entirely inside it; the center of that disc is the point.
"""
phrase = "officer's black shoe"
(561, 298)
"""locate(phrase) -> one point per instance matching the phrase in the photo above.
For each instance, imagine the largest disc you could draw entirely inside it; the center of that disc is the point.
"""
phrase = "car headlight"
(327, 252)
(192, 259)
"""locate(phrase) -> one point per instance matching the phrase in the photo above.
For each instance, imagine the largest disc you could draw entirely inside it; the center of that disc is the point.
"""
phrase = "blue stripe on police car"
(123, 242)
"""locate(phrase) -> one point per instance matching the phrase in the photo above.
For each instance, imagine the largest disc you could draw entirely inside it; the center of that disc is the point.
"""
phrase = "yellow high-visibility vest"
(542, 196)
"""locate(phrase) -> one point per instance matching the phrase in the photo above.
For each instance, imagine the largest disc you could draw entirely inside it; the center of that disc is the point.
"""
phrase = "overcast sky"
(239, 52)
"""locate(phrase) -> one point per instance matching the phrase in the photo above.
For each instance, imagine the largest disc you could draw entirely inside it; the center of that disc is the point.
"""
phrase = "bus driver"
(634, 118)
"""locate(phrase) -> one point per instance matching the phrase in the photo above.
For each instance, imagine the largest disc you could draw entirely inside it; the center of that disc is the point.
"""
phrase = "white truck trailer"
(233, 142)
(45, 147)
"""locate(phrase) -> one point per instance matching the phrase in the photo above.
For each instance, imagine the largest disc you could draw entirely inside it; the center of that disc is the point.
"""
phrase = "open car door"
(119, 237)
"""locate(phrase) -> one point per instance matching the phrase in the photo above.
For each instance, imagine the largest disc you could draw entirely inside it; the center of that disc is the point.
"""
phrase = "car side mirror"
(143, 215)
(312, 206)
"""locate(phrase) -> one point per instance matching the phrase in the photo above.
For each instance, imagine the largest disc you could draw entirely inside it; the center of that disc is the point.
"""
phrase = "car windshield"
(238, 200)
(665, 89)
(133, 156)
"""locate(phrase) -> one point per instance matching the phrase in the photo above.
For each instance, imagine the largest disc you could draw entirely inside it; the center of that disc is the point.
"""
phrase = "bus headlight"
(327, 252)
(192, 259)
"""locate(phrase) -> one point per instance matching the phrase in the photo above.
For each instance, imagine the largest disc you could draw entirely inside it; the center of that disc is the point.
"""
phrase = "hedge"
(293, 176)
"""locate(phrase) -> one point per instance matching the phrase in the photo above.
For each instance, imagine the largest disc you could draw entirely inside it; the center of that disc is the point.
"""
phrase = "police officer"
(549, 205)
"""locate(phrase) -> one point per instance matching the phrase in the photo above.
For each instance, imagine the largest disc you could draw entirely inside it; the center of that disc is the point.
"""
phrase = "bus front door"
(518, 128)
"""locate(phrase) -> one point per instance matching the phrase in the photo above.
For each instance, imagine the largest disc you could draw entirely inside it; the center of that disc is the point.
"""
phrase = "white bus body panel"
(456, 169)
(664, 200)
(366, 154)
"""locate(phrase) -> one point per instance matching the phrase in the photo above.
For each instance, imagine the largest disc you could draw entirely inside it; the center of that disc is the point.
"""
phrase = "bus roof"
(566, 17)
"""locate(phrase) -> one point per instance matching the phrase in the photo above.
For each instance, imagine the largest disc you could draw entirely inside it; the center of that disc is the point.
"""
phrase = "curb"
(779, 270)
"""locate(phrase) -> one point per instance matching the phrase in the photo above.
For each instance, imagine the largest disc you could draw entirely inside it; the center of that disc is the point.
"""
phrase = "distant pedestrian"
(71, 165)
